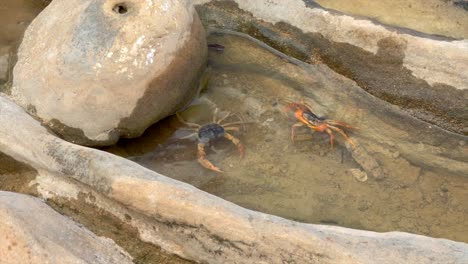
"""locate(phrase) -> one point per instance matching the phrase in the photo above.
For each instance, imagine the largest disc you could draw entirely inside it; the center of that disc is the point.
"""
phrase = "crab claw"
(207, 164)
(203, 161)
(236, 142)
(339, 123)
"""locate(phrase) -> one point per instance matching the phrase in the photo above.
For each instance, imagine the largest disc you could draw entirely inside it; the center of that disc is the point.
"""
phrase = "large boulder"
(98, 70)
(31, 232)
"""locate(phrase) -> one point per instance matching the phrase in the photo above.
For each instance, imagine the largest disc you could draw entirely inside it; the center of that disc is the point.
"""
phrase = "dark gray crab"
(211, 131)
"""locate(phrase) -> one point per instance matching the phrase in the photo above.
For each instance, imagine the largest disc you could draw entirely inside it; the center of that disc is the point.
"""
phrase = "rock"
(31, 232)
(367, 161)
(358, 174)
(461, 3)
(418, 15)
(3, 68)
(95, 71)
(194, 224)
(4, 63)
(423, 74)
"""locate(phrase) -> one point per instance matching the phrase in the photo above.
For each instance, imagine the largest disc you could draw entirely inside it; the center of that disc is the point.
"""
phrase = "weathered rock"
(423, 74)
(414, 14)
(31, 232)
(461, 3)
(95, 71)
(4, 55)
(193, 224)
(358, 174)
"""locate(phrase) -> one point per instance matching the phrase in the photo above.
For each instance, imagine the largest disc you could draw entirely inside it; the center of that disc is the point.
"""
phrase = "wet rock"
(364, 206)
(95, 71)
(423, 74)
(3, 69)
(194, 224)
(465, 130)
(4, 57)
(368, 163)
(358, 174)
(461, 3)
(31, 232)
(414, 14)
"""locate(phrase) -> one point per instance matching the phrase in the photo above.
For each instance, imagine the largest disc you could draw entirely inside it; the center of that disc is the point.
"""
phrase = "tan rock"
(95, 71)
(415, 14)
(31, 232)
(191, 223)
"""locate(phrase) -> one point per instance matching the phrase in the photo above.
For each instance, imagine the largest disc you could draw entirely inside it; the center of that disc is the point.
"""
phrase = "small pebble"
(358, 174)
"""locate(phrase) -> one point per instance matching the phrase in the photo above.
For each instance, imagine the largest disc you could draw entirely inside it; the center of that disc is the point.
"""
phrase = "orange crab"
(307, 118)
(211, 131)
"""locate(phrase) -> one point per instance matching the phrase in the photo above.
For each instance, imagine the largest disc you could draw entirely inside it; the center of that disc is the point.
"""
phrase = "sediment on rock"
(388, 67)
(197, 225)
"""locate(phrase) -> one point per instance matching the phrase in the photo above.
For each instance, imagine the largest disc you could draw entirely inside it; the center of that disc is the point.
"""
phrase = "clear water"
(425, 170)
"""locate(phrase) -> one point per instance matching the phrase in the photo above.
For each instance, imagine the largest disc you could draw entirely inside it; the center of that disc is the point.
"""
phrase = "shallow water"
(416, 173)
(439, 17)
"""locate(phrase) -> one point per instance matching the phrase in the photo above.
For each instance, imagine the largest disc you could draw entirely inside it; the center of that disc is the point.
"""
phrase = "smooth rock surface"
(31, 232)
(95, 71)
(196, 225)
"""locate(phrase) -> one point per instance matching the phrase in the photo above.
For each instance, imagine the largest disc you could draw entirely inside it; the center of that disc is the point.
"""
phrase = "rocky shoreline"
(125, 213)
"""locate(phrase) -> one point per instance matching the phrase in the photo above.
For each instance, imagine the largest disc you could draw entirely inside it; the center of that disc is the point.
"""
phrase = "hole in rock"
(120, 8)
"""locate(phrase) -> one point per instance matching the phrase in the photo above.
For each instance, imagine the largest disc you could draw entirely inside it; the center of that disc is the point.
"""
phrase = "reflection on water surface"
(424, 185)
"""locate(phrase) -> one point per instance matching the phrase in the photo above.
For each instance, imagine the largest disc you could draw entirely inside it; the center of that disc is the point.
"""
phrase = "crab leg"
(339, 123)
(238, 123)
(232, 129)
(187, 123)
(293, 129)
(236, 142)
(203, 161)
(344, 135)
(192, 129)
(330, 133)
(215, 115)
(189, 136)
(223, 118)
